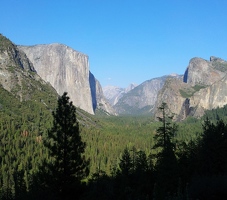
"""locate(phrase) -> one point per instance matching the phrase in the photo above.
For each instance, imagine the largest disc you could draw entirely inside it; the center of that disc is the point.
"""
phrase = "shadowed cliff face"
(98, 99)
(93, 90)
(67, 71)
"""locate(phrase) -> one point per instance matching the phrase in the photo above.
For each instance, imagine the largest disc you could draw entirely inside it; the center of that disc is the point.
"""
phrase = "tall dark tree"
(126, 163)
(166, 165)
(66, 149)
(166, 132)
(213, 149)
(203, 164)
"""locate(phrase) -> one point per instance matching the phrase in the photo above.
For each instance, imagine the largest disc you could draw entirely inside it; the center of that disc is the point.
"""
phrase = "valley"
(130, 126)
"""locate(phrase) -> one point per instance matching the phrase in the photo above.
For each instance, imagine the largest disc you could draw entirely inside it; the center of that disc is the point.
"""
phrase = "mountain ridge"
(200, 88)
(114, 93)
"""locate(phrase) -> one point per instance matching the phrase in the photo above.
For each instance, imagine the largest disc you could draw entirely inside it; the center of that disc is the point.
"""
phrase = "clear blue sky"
(127, 41)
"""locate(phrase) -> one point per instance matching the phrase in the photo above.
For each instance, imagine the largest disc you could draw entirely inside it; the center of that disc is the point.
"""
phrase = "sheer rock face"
(98, 99)
(172, 95)
(17, 73)
(210, 97)
(203, 72)
(13, 64)
(141, 99)
(203, 88)
(65, 69)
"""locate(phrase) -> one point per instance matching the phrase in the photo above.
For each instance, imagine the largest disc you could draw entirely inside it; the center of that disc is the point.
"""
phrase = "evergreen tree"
(167, 131)
(166, 165)
(212, 148)
(68, 166)
(141, 162)
(126, 163)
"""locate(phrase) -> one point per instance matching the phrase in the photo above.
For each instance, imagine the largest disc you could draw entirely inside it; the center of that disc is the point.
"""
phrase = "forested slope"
(24, 129)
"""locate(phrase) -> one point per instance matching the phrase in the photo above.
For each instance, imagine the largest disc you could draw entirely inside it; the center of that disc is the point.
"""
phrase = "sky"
(127, 41)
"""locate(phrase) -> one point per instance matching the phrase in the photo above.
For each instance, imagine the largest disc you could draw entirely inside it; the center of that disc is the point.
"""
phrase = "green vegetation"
(4, 43)
(221, 66)
(45, 144)
(166, 162)
(198, 87)
(123, 160)
(186, 93)
(66, 166)
(189, 92)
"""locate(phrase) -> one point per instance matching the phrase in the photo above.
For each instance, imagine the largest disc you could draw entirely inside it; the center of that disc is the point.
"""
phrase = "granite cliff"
(18, 75)
(99, 102)
(141, 99)
(203, 88)
(67, 70)
(203, 72)
(25, 69)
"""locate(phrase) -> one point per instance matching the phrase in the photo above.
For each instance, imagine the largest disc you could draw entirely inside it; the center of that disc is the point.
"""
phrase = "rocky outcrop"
(171, 93)
(18, 76)
(210, 97)
(141, 99)
(203, 72)
(10, 55)
(98, 99)
(203, 88)
(65, 69)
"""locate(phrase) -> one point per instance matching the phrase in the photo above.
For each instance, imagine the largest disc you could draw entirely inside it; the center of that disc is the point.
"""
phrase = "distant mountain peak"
(114, 93)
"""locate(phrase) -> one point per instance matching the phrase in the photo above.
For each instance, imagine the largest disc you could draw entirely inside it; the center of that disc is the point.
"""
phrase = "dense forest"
(109, 157)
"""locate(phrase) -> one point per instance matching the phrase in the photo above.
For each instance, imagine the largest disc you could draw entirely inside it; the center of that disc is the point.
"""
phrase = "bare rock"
(65, 69)
(202, 72)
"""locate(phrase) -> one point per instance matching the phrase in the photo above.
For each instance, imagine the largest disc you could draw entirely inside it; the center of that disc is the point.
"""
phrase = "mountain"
(18, 75)
(68, 70)
(37, 73)
(141, 99)
(26, 100)
(203, 72)
(23, 92)
(203, 88)
(99, 102)
(113, 93)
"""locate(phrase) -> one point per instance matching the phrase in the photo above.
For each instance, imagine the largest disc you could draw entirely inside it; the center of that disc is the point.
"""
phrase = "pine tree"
(166, 132)
(166, 165)
(126, 163)
(212, 148)
(68, 166)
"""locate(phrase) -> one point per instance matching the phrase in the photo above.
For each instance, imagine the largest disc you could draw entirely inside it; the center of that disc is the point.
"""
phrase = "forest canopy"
(128, 157)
